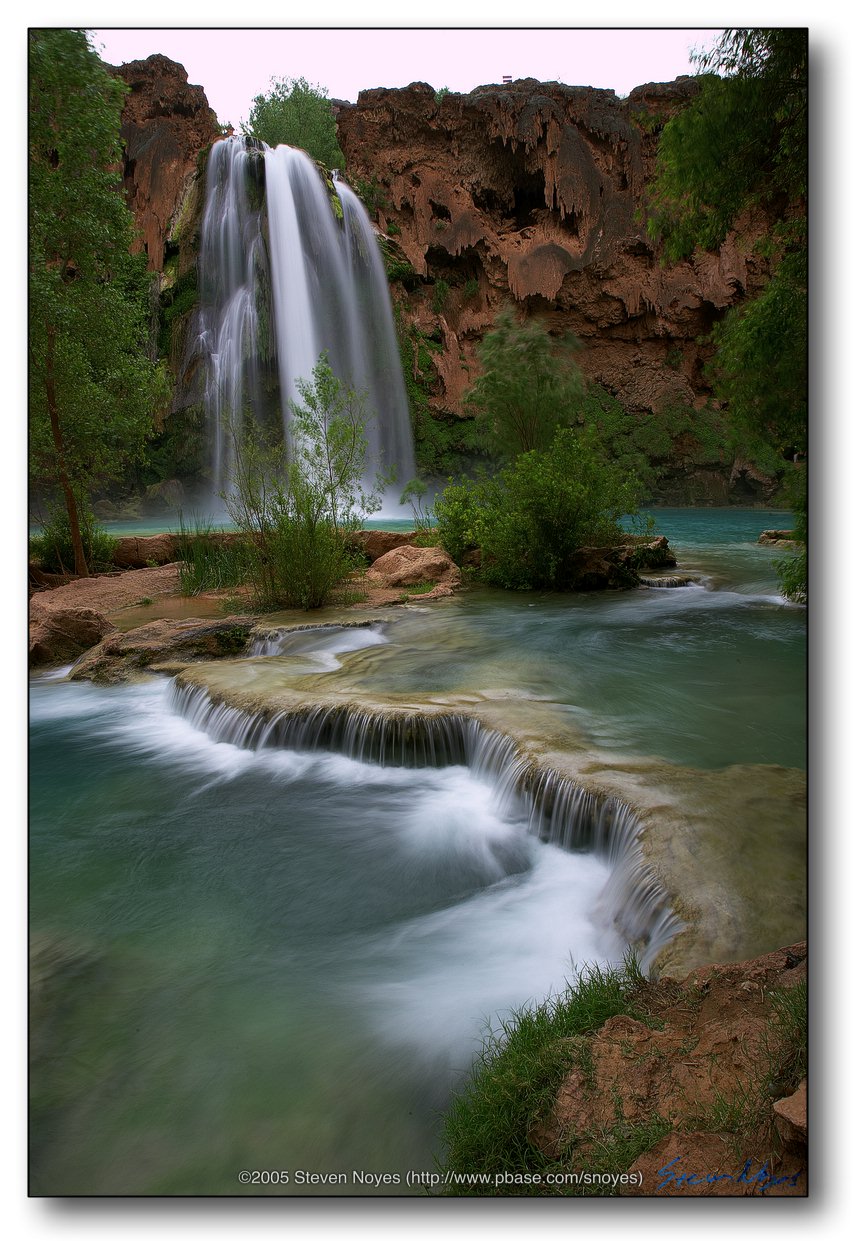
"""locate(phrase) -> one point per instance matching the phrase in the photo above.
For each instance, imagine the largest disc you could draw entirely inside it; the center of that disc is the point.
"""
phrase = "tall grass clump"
(516, 1076)
(208, 562)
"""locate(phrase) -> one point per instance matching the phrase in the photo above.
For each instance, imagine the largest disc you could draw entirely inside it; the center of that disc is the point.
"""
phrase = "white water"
(321, 283)
(232, 255)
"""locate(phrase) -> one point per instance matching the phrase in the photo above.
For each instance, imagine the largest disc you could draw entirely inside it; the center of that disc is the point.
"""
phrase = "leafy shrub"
(298, 513)
(296, 113)
(440, 294)
(52, 548)
(531, 518)
(529, 386)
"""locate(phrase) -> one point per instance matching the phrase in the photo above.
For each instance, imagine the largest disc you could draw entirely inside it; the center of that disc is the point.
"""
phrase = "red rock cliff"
(534, 191)
(165, 124)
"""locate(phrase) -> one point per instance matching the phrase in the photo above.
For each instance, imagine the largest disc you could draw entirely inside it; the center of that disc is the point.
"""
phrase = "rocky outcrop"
(375, 543)
(697, 1047)
(528, 192)
(165, 124)
(533, 193)
(120, 656)
(59, 635)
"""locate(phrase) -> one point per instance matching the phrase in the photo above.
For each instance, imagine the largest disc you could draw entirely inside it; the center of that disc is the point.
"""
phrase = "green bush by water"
(297, 515)
(531, 517)
(53, 551)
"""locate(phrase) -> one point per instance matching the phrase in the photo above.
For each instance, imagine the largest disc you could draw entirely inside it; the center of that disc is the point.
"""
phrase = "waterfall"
(314, 272)
(232, 263)
(556, 809)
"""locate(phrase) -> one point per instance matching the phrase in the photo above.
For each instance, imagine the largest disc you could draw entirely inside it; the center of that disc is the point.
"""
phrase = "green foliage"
(440, 93)
(298, 114)
(179, 450)
(414, 494)
(440, 293)
(761, 364)
(646, 445)
(531, 517)
(53, 550)
(515, 1079)
(745, 141)
(398, 270)
(470, 290)
(744, 138)
(371, 194)
(93, 387)
(392, 229)
(793, 567)
(298, 514)
(180, 300)
(207, 562)
(529, 386)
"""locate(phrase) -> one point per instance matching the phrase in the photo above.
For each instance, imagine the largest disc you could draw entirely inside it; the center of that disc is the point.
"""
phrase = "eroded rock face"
(532, 192)
(166, 123)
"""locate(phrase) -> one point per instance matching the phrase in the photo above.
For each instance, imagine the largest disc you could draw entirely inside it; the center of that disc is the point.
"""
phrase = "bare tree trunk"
(80, 566)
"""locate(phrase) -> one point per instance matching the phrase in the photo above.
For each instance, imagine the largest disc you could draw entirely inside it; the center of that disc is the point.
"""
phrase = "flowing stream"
(273, 956)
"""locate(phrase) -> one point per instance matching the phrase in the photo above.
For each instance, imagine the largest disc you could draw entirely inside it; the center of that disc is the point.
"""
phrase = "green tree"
(744, 142)
(529, 386)
(295, 113)
(93, 386)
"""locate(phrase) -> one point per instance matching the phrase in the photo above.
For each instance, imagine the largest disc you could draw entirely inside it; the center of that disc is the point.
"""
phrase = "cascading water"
(555, 809)
(232, 265)
(325, 291)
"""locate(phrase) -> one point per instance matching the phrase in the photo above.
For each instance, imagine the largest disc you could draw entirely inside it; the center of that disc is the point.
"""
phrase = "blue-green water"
(284, 961)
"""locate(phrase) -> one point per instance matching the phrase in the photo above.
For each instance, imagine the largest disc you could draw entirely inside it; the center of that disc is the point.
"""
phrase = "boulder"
(376, 543)
(59, 635)
(773, 538)
(791, 1118)
(140, 553)
(409, 566)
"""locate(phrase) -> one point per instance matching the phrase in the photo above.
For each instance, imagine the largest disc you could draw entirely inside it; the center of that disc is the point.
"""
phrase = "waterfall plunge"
(317, 278)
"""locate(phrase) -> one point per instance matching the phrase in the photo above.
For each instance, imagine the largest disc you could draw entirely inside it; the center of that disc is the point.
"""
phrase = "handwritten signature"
(762, 1179)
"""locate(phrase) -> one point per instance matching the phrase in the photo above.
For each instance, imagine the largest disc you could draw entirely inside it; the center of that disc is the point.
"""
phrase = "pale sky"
(234, 65)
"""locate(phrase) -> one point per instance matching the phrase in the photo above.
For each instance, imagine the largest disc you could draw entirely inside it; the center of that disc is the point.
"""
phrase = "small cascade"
(556, 809)
(292, 277)
(323, 643)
